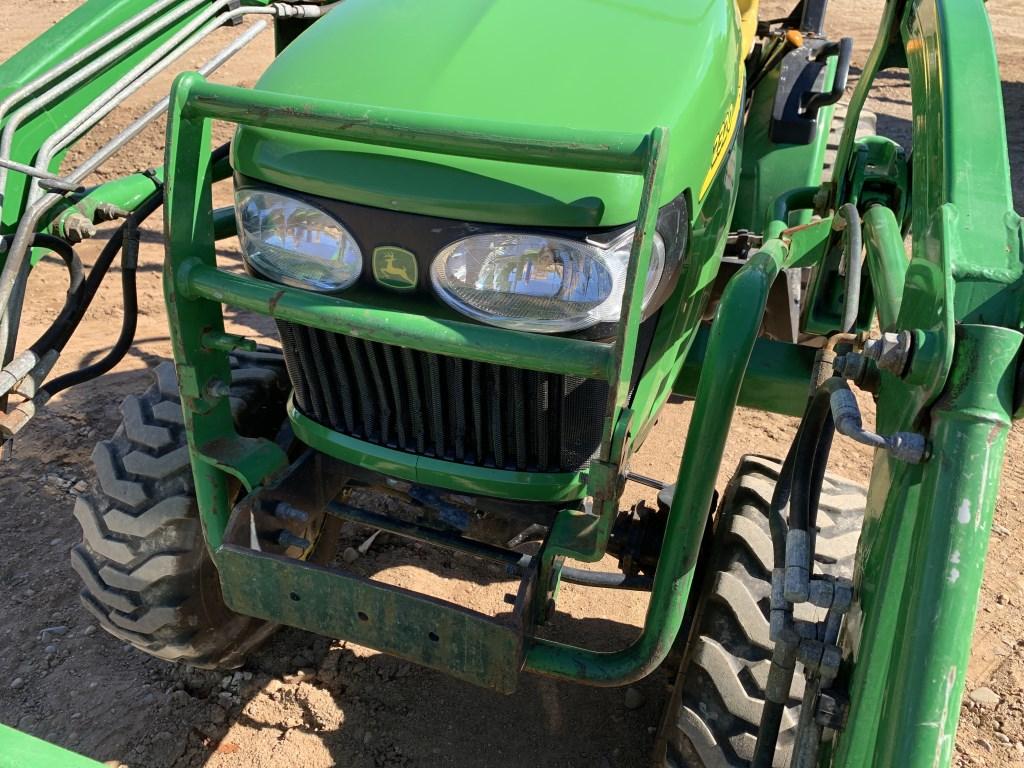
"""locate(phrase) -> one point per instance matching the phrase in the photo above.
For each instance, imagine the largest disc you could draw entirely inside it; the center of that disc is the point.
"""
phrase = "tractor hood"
(618, 65)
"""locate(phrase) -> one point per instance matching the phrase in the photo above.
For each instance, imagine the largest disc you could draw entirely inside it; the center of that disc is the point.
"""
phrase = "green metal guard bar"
(387, 326)
(608, 151)
(729, 348)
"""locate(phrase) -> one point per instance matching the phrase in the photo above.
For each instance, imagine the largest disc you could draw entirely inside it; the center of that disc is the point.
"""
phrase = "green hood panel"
(618, 65)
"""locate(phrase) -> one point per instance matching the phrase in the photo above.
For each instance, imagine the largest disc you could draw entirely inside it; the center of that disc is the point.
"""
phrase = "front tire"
(713, 715)
(147, 575)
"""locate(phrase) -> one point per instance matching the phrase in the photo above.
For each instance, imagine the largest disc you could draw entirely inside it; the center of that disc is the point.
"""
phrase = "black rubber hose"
(75, 285)
(799, 483)
(810, 434)
(778, 508)
(99, 271)
(129, 318)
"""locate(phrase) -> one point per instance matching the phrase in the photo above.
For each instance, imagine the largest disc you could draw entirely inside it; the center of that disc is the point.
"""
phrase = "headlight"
(537, 283)
(293, 242)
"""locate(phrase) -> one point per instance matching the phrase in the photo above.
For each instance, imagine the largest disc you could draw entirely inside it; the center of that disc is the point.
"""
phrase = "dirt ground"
(312, 702)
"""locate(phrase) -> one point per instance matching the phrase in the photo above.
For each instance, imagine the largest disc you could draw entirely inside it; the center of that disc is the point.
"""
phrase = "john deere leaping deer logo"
(395, 268)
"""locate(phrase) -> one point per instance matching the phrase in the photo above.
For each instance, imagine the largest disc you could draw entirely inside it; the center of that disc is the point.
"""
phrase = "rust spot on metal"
(272, 304)
(994, 434)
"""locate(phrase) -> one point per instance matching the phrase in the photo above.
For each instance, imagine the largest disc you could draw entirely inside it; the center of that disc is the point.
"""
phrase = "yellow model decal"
(723, 139)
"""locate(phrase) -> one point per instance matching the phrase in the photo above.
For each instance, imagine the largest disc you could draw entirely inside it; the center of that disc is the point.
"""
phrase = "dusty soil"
(311, 702)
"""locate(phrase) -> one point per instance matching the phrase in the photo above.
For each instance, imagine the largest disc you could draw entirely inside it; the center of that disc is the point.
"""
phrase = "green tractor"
(496, 237)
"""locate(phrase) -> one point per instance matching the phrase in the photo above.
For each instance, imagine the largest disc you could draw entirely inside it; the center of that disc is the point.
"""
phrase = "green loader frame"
(958, 299)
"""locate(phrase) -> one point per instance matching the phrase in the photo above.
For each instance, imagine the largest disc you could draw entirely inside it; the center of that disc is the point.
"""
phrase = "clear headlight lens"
(537, 283)
(295, 243)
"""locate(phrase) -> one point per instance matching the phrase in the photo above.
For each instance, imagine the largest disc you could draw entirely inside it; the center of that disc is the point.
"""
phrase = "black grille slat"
(409, 372)
(519, 403)
(544, 430)
(476, 397)
(313, 368)
(292, 361)
(437, 401)
(341, 389)
(365, 399)
(493, 399)
(435, 405)
(398, 396)
(383, 398)
(457, 400)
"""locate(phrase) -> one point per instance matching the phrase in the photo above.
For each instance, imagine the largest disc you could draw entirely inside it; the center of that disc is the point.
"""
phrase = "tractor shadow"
(368, 709)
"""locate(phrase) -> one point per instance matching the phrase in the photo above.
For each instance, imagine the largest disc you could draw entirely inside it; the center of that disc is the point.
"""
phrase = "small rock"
(634, 698)
(1002, 737)
(81, 486)
(217, 715)
(180, 698)
(17, 683)
(350, 555)
(985, 697)
(985, 744)
(58, 631)
(50, 650)
(273, 687)
(76, 715)
(1002, 530)
(54, 542)
(89, 630)
(367, 737)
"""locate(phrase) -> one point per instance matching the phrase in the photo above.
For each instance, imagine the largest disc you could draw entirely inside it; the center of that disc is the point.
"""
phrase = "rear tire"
(147, 575)
(716, 703)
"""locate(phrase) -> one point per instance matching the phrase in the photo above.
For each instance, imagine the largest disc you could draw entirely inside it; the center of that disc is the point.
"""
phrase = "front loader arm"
(54, 92)
(926, 530)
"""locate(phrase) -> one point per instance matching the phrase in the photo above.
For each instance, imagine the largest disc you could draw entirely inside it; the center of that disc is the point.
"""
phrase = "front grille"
(445, 407)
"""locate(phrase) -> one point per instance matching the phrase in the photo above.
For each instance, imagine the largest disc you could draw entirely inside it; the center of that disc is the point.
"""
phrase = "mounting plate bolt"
(217, 389)
(833, 709)
(285, 511)
(77, 228)
(891, 352)
(288, 539)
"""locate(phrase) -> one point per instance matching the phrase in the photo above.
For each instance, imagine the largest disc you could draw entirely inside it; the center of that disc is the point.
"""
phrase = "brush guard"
(196, 289)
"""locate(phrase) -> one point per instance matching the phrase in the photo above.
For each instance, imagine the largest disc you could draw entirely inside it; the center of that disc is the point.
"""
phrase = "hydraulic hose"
(76, 286)
(799, 484)
(129, 319)
(125, 240)
(24, 363)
